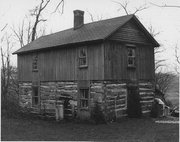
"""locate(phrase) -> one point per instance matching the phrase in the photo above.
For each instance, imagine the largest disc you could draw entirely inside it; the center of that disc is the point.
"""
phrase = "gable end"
(133, 31)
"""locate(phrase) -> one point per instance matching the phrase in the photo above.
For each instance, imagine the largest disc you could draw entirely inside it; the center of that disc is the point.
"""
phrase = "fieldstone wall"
(146, 92)
(52, 91)
(116, 99)
(97, 93)
(47, 97)
(25, 94)
(49, 94)
(112, 96)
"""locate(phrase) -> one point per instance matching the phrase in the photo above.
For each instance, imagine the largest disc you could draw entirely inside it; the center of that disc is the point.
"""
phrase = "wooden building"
(109, 61)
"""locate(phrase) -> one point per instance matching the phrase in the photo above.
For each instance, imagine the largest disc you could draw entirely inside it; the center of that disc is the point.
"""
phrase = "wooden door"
(133, 102)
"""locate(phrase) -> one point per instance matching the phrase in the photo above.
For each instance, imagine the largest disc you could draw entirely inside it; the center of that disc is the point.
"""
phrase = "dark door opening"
(133, 103)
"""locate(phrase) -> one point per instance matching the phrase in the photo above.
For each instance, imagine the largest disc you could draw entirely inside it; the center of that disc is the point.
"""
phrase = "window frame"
(84, 98)
(132, 57)
(35, 62)
(83, 57)
(34, 96)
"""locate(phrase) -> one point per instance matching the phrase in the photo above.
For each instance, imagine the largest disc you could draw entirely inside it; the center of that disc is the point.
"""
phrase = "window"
(35, 63)
(83, 57)
(35, 96)
(84, 96)
(131, 56)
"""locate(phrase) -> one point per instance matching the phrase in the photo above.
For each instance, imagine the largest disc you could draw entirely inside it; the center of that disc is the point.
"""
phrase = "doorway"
(133, 102)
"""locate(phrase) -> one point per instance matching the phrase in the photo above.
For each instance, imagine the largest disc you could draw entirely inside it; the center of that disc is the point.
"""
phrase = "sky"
(166, 21)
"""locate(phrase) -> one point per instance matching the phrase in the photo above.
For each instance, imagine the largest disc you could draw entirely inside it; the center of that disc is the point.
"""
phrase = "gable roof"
(94, 31)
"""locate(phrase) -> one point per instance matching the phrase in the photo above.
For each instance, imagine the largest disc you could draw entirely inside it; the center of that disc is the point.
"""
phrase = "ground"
(126, 130)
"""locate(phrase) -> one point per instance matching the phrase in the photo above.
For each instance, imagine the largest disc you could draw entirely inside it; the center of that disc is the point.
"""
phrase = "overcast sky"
(163, 20)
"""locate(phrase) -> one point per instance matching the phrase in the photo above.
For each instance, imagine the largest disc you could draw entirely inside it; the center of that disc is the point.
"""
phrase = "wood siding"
(25, 67)
(116, 62)
(132, 33)
(62, 64)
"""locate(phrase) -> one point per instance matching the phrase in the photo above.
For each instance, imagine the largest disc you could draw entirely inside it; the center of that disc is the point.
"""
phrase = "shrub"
(97, 114)
(10, 107)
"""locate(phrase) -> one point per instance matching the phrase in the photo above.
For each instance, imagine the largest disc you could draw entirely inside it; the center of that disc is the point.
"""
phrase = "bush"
(97, 114)
(10, 107)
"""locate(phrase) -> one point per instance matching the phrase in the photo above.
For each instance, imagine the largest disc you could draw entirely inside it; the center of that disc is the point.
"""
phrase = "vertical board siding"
(62, 64)
(145, 62)
(116, 62)
(95, 59)
(25, 67)
(130, 32)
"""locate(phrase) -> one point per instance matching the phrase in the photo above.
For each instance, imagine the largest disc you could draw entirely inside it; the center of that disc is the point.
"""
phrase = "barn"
(108, 62)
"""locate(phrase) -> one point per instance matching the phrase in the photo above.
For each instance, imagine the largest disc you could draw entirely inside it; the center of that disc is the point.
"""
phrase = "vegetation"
(28, 31)
(97, 114)
(127, 130)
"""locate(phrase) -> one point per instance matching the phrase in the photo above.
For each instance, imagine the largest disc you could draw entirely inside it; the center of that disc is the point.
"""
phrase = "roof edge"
(48, 48)
(147, 32)
(142, 26)
(119, 27)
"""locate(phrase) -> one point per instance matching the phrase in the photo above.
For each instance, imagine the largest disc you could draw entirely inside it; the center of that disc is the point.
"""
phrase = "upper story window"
(131, 56)
(35, 62)
(83, 57)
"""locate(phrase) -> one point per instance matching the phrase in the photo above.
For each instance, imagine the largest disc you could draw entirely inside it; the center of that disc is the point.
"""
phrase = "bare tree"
(23, 33)
(163, 81)
(158, 50)
(92, 17)
(177, 59)
(125, 5)
(166, 6)
(37, 11)
(5, 69)
(28, 30)
(2, 29)
(60, 7)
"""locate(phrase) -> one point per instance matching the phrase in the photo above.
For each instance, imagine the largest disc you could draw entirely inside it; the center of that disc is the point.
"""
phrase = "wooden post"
(73, 110)
(59, 111)
(115, 107)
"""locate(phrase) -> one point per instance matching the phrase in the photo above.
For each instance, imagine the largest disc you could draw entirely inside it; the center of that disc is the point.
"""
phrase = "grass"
(127, 130)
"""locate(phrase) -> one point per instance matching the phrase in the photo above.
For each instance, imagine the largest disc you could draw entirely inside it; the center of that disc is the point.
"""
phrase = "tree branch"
(124, 6)
(166, 6)
(141, 8)
(57, 7)
(4, 27)
(176, 55)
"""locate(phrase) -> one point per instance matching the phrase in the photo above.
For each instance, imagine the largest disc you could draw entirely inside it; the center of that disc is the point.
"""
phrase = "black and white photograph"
(90, 70)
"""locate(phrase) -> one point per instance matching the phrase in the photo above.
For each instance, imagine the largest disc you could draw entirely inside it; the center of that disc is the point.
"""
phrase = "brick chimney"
(78, 19)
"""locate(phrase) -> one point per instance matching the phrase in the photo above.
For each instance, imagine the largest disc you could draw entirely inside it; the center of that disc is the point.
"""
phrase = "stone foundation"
(110, 95)
(146, 92)
(116, 99)
(25, 95)
(49, 94)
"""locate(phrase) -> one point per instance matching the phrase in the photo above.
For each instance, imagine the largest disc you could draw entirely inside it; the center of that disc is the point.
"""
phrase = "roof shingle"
(88, 32)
